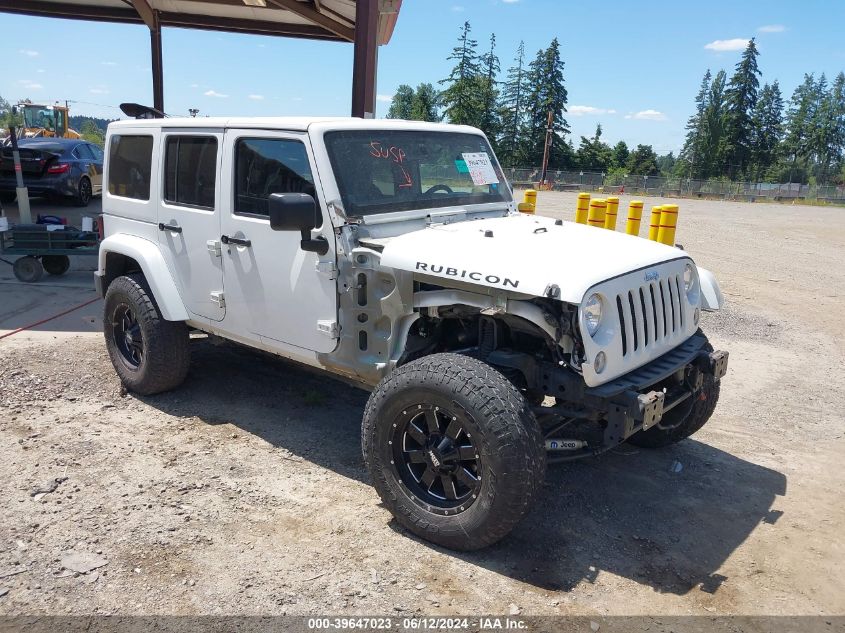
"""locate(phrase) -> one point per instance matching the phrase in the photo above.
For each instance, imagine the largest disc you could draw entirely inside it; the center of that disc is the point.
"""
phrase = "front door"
(189, 220)
(274, 292)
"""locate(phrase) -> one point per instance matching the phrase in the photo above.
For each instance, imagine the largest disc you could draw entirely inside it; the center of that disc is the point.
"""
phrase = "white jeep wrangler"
(390, 253)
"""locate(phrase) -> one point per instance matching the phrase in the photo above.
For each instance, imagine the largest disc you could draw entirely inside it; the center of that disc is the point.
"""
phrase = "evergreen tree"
(547, 94)
(643, 161)
(593, 154)
(426, 104)
(696, 129)
(837, 104)
(513, 116)
(462, 99)
(797, 144)
(402, 103)
(619, 159)
(712, 145)
(767, 129)
(741, 98)
(490, 120)
(666, 164)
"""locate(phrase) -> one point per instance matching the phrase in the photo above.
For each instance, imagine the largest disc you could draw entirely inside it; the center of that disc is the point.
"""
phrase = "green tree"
(767, 130)
(593, 154)
(547, 94)
(91, 133)
(426, 104)
(797, 145)
(513, 114)
(643, 161)
(741, 98)
(712, 144)
(462, 97)
(666, 164)
(619, 159)
(696, 127)
(402, 103)
(490, 119)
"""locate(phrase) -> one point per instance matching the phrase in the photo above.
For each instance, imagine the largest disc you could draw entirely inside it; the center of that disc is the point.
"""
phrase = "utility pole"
(24, 215)
(546, 149)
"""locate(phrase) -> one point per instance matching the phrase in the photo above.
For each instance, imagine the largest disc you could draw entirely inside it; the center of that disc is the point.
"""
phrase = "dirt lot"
(244, 491)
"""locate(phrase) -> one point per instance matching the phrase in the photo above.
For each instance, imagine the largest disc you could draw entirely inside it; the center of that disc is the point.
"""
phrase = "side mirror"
(296, 212)
(292, 212)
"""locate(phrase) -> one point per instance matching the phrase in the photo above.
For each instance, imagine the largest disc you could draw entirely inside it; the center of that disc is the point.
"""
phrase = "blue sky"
(633, 67)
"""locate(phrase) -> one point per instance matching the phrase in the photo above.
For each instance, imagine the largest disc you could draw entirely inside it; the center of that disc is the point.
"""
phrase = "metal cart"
(44, 249)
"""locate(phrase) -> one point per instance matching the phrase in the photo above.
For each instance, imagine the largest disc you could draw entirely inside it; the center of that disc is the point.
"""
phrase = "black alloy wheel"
(436, 458)
(127, 336)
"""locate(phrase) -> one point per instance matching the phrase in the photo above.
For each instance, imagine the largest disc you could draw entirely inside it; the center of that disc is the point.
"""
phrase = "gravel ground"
(244, 492)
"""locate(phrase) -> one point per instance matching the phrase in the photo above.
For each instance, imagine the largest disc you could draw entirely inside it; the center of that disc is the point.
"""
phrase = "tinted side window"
(190, 170)
(82, 151)
(266, 166)
(130, 163)
(98, 153)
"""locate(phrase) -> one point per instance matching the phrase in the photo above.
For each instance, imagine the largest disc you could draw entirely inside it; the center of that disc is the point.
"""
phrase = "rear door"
(274, 292)
(189, 217)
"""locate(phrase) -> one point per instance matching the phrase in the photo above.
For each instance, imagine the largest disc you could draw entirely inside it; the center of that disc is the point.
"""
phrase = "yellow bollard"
(654, 223)
(635, 215)
(597, 211)
(668, 223)
(582, 210)
(610, 214)
(530, 197)
(525, 207)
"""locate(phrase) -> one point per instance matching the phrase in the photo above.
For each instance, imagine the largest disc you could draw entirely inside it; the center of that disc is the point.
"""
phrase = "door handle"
(235, 240)
(169, 227)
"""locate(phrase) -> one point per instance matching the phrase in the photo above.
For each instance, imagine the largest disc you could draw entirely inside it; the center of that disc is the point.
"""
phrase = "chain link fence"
(563, 180)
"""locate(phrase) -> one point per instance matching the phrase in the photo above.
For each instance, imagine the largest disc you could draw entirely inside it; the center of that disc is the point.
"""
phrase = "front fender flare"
(711, 295)
(155, 270)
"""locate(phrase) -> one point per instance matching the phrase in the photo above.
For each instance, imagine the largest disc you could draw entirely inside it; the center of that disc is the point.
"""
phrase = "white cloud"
(108, 63)
(457, 8)
(721, 46)
(41, 70)
(256, 97)
(647, 115)
(581, 110)
(510, 1)
(384, 98)
(214, 93)
(194, 86)
(99, 91)
(28, 52)
(772, 28)
(30, 85)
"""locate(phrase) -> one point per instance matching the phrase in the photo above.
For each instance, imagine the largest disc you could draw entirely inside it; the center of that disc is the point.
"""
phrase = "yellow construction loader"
(45, 120)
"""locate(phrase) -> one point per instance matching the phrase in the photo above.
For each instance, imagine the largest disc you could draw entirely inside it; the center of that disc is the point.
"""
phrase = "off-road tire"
(507, 436)
(166, 351)
(55, 264)
(28, 269)
(693, 419)
(84, 192)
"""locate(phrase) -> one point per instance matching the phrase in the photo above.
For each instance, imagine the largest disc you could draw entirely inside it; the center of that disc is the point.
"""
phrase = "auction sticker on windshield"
(480, 168)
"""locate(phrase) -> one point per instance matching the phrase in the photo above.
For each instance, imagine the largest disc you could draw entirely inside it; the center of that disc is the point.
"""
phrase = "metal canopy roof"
(366, 23)
(313, 19)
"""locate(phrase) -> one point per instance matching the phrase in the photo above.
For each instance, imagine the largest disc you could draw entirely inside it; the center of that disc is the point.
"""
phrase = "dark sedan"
(60, 167)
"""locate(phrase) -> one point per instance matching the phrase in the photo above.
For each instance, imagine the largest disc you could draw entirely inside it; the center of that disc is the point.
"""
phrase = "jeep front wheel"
(454, 450)
(150, 354)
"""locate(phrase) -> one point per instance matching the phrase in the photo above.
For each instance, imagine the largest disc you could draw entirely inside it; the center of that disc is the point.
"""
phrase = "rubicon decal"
(473, 275)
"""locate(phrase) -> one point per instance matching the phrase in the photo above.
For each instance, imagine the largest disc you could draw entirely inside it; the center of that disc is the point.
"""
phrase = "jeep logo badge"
(652, 276)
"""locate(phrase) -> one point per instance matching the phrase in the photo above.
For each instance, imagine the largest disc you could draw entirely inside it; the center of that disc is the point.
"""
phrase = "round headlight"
(691, 283)
(592, 313)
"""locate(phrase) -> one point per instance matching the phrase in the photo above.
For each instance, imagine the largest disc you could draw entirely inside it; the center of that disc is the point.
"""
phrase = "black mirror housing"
(292, 212)
(297, 212)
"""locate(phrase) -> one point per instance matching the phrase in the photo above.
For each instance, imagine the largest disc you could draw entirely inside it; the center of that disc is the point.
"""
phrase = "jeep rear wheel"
(150, 354)
(454, 450)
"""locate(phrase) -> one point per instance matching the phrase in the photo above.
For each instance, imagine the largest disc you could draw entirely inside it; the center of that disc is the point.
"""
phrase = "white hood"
(524, 254)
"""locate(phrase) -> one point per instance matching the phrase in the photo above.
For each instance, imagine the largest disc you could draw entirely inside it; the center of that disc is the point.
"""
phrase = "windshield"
(385, 170)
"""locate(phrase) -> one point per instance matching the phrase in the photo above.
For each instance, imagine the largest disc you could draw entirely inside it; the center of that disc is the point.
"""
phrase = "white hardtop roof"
(292, 123)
